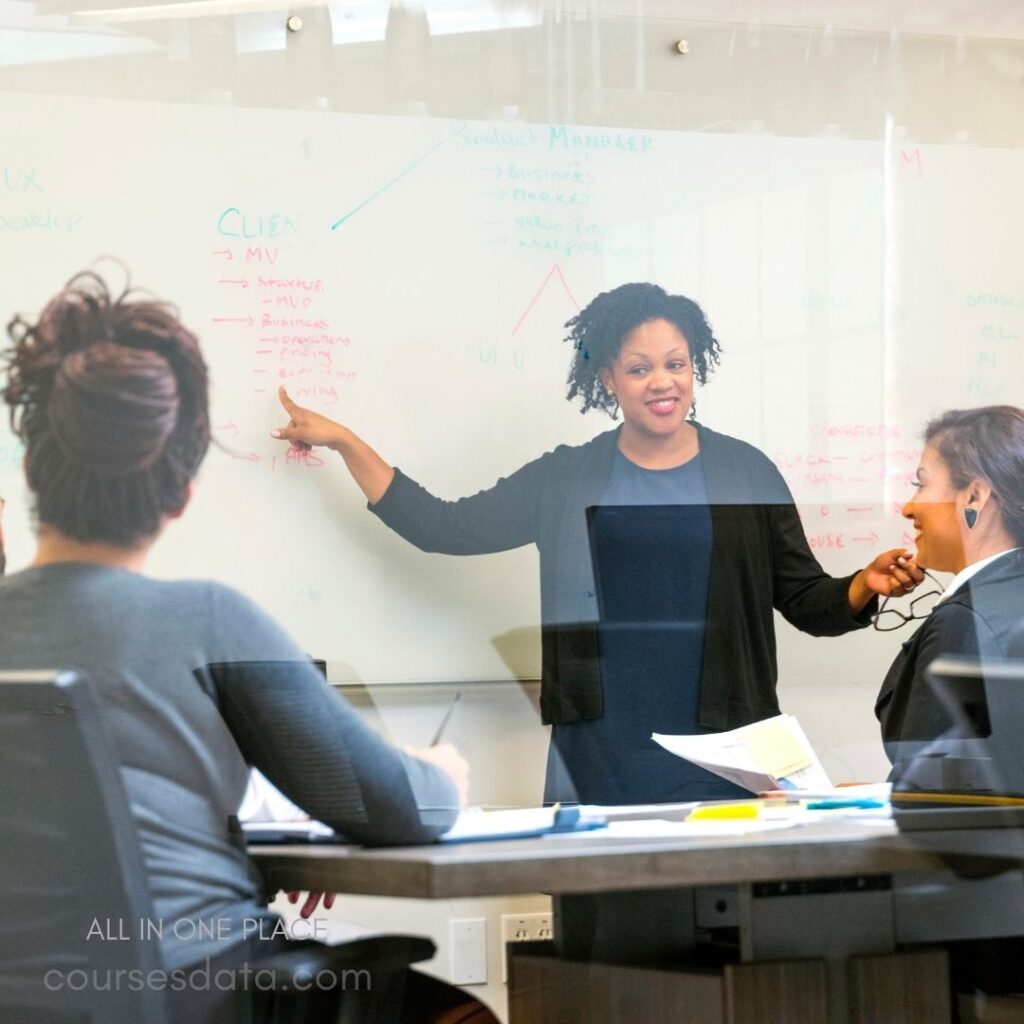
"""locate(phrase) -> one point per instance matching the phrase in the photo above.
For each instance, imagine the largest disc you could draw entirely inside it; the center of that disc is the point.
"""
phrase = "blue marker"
(829, 805)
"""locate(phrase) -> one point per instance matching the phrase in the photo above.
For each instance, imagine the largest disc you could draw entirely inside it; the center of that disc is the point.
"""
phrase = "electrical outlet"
(523, 928)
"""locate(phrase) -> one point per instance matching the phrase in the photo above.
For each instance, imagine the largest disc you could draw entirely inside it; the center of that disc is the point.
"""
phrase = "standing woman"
(696, 541)
(968, 516)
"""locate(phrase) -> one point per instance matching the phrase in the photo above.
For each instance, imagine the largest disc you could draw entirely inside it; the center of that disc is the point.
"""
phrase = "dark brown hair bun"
(98, 391)
(109, 397)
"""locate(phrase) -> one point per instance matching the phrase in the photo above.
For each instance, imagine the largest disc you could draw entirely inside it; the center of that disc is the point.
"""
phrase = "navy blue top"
(651, 553)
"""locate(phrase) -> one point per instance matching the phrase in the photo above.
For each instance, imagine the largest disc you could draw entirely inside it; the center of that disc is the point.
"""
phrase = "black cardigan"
(760, 560)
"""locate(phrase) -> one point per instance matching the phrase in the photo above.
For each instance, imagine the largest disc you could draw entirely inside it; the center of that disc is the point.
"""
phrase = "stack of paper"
(771, 754)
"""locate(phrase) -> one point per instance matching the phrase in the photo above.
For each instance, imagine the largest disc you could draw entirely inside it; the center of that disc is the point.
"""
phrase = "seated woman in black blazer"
(968, 515)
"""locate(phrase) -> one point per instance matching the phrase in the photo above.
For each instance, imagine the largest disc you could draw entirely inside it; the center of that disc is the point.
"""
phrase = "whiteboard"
(411, 275)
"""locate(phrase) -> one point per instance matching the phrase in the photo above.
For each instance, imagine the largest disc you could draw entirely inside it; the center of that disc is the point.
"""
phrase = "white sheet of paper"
(661, 829)
(747, 756)
(263, 801)
(474, 821)
(300, 829)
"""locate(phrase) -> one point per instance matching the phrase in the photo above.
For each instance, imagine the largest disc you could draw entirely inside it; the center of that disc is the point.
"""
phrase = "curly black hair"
(598, 331)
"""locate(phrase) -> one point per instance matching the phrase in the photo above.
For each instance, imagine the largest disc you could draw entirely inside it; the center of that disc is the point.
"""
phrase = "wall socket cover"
(469, 951)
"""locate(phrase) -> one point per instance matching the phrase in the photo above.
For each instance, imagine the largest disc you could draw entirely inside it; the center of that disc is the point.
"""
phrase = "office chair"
(70, 861)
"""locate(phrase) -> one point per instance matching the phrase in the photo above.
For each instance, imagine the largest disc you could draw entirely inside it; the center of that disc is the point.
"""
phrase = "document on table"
(474, 824)
(304, 830)
(661, 829)
(263, 801)
(771, 754)
(268, 816)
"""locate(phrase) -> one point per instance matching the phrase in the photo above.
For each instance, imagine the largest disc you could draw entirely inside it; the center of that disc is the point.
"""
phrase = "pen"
(713, 812)
(828, 805)
(447, 718)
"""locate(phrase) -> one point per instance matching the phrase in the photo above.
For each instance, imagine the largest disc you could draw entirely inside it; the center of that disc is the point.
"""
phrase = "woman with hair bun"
(696, 541)
(109, 396)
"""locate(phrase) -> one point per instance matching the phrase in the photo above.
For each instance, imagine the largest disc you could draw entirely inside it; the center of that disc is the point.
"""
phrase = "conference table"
(592, 862)
(637, 900)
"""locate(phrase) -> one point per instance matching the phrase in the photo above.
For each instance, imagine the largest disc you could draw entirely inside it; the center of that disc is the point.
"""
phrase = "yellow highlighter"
(718, 812)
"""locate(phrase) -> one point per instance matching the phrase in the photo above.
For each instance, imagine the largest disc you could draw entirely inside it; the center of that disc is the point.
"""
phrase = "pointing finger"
(290, 407)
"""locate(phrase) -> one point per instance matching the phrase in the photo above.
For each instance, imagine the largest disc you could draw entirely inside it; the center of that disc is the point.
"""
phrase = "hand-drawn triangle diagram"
(554, 272)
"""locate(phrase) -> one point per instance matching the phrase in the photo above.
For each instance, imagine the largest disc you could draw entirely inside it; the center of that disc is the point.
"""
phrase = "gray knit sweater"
(185, 735)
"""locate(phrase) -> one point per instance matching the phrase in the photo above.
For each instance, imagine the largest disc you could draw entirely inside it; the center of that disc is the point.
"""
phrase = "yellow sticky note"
(714, 812)
(775, 749)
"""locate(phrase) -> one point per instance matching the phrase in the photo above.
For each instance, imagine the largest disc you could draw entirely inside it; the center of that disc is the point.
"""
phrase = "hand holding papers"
(771, 754)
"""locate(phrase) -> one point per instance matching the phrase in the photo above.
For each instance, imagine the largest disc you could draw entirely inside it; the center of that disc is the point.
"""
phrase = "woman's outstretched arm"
(499, 518)
(307, 428)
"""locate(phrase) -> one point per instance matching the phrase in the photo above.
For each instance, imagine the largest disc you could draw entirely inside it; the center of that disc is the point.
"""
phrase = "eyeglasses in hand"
(887, 619)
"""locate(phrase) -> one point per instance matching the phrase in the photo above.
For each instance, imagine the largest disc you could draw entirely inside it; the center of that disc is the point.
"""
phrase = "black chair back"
(75, 945)
(971, 776)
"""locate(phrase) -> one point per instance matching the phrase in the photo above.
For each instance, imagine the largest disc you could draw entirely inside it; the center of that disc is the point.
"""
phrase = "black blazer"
(978, 621)
(760, 560)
